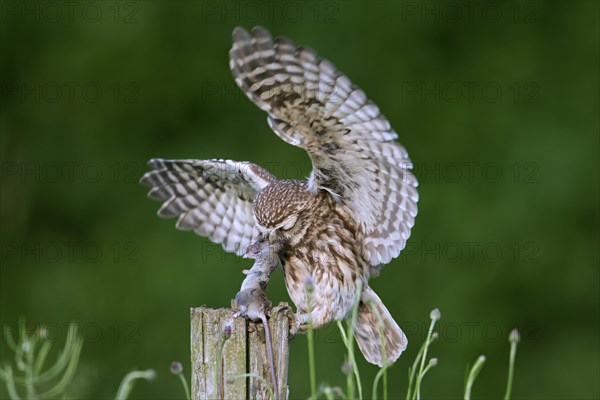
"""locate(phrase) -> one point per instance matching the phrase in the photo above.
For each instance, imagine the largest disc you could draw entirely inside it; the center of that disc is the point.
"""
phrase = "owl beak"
(271, 237)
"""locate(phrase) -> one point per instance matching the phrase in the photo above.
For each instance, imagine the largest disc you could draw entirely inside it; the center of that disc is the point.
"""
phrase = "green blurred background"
(497, 104)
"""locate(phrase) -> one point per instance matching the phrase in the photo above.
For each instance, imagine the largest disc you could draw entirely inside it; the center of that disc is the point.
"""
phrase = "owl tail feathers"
(371, 320)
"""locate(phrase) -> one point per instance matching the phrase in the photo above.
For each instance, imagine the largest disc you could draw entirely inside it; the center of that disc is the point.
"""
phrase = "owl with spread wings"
(353, 214)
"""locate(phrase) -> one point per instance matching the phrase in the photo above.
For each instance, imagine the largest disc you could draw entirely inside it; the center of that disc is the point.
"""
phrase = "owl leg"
(299, 322)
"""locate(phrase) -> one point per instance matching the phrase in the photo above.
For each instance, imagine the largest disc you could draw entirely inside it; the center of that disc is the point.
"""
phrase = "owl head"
(278, 207)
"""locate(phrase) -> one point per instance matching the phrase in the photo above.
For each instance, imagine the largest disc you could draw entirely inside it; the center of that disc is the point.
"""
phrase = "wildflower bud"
(514, 336)
(481, 358)
(310, 286)
(433, 362)
(226, 332)
(148, 374)
(336, 391)
(435, 314)
(176, 368)
(346, 368)
(434, 336)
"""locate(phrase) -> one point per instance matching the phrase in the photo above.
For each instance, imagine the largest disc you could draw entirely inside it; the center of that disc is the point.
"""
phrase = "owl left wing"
(211, 197)
(351, 144)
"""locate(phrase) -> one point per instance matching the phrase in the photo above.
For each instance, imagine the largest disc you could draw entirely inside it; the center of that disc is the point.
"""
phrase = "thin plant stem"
(475, 370)
(130, 378)
(385, 385)
(383, 370)
(432, 363)
(411, 371)
(62, 360)
(514, 339)
(186, 388)
(28, 348)
(359, 286)
(312, 371)
(423, 357)
(435, 315)
(511, 366)
(177, 369)
(427, 368)
(381, 373)
(70, 370)
(10, 383)
(348, 339)
(41, 357)
(219, 359)
(353, 360)
(311, 363)
(413, 392)
(30, 357)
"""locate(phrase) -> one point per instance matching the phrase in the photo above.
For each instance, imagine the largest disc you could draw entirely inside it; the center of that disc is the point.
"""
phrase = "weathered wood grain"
(243, 352)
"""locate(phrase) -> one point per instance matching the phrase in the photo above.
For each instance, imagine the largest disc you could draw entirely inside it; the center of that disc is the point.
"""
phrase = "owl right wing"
(352, 146)
(211, 197)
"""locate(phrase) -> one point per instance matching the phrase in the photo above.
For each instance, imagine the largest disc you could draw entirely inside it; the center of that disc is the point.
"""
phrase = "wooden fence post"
(244, 352)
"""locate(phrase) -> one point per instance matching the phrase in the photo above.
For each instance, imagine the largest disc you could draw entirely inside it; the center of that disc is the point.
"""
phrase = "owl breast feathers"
(360, 175)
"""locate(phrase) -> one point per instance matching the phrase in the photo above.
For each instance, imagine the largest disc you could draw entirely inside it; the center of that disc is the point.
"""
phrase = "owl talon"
(298, 322)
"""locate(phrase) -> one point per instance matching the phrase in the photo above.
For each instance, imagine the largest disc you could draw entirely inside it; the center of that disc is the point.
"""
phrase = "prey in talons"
(251, 300)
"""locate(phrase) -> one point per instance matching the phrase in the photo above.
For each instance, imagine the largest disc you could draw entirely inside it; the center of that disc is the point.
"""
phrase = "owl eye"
(288, 223)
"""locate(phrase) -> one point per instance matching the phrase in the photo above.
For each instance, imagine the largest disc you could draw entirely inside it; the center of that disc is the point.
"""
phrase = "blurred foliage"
(497, 104)
(33, 377)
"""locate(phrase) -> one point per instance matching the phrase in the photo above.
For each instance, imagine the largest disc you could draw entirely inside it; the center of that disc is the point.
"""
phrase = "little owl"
(353, 214)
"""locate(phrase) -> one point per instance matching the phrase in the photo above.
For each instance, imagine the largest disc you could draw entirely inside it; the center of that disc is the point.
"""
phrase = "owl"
(337, 228)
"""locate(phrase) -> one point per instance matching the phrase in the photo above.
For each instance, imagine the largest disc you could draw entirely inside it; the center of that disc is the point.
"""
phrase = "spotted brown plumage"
(354, 212)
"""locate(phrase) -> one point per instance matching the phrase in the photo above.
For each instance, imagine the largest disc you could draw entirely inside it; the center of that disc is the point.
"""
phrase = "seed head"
(227, 332)
(176, 368)
(149, 374)
(514, 336)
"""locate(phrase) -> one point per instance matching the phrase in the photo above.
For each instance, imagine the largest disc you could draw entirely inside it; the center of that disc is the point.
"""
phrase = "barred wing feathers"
(211, 197)
(352, 146)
